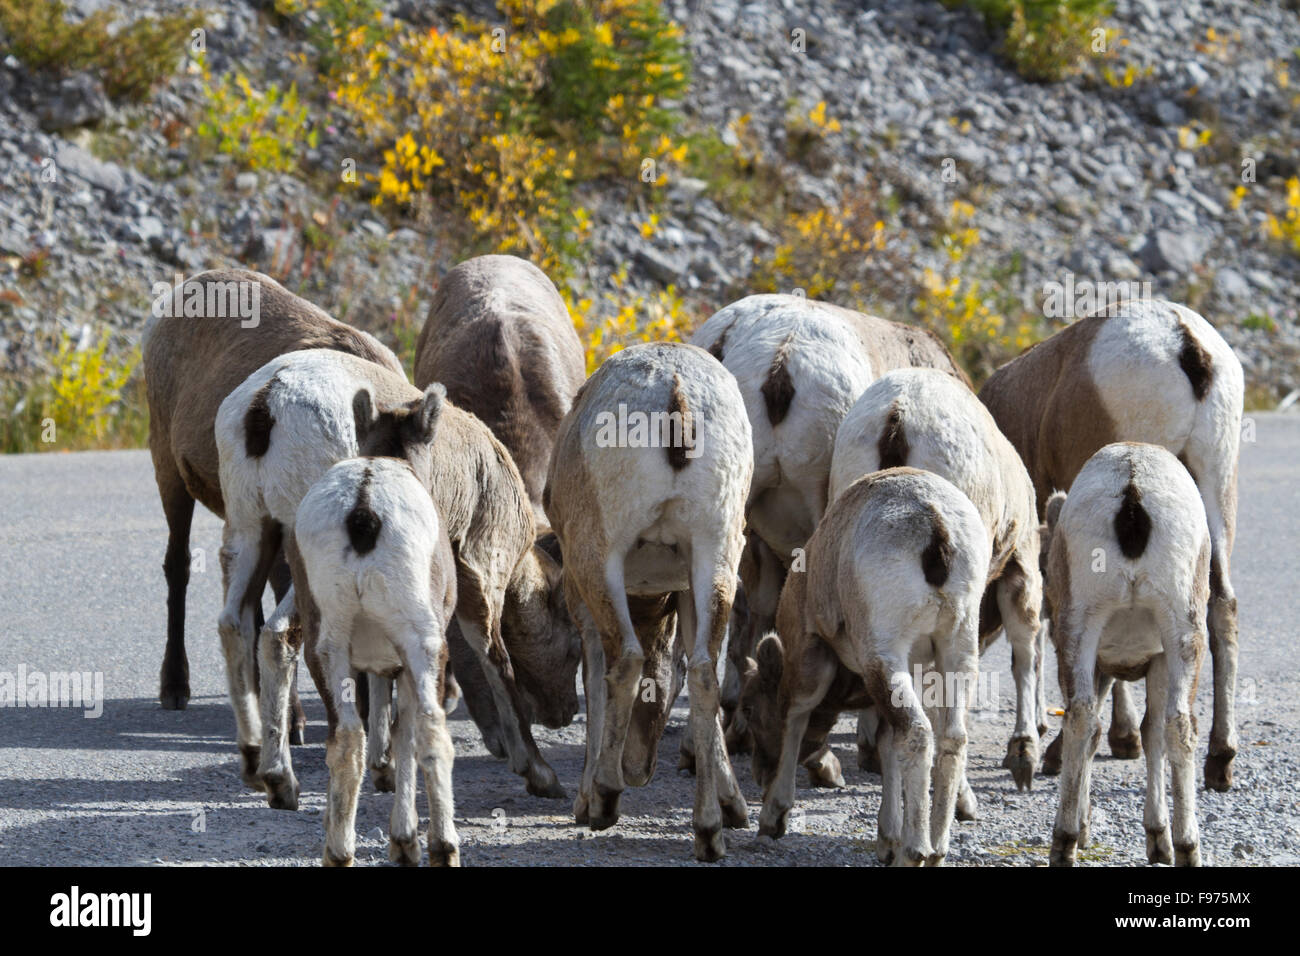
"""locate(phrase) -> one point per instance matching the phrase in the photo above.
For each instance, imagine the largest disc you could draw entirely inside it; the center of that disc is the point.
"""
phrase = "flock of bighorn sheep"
(820, 484)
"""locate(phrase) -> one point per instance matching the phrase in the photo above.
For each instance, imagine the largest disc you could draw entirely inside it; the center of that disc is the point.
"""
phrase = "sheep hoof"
(443, 854)
(174, 697)
(710, 844)
(250, 757)
(404, 852)
(886, 850)
(1052, 758)
(1021, 760)
(542, 782)
(281, 791)
(1124, 746)
(868, 759)
(580, 814)
(329, 859)
(966, 808)
(1064, 847)
(772, 822)
(936, 859)
(1159, 847)
(603, 812)
(384, 778)
(826, 772)
(911, 856)
(1218, 772)
(297, 736)
(1189, 855)
(735, 813)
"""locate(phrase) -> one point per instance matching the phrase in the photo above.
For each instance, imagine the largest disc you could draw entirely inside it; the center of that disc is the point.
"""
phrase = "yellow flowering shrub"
(506, 120)
(84, 402)
(614, 320)
(1286, 226)
(966, 312)
(261, 129)
(826, 252)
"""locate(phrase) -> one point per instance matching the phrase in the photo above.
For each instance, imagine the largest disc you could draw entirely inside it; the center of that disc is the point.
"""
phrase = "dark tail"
(893, 446)
(362, 523)
(1196, 363)
(936, 559)
(684, 441)
(1132, 524)
(778, 387)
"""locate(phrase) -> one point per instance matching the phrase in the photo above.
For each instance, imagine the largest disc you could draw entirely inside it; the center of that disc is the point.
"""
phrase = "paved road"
(81, 589)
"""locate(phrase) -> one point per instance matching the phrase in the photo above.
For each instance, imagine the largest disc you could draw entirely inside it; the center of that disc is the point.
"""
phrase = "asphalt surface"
(81, 589)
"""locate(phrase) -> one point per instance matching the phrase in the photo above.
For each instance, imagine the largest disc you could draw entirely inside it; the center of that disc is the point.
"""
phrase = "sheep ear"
(429, 412)
(363, 413)
(1054, 505)
(771, 659)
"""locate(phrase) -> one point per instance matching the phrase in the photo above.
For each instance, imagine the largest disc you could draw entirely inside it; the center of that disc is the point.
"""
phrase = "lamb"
(928, 420)
(374, 572)
(646, 492)
(894, 577)
(277, 433)
(1128, 581)
(499, 337)
(1152, 372)
(508, 600)
(192, 360)
(801, 365)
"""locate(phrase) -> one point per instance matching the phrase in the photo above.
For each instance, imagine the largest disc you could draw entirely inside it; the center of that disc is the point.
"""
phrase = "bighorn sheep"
(646, 491)
(801, 365)
(894, 575)
(508, 607)
(1152, 372)
(499, 337)
(926, 419)
(1129, 581)
(204, 338)
(277, 434)
(375, 575)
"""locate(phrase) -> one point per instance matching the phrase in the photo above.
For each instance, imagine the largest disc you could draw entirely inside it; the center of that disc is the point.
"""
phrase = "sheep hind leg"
(1155, 815)
(278, 653)
(178, 507)
(245, 561)
(404, 821)
(281, 586)
(624, 661)
(1124, 736)
(379, 724)
(345, 756)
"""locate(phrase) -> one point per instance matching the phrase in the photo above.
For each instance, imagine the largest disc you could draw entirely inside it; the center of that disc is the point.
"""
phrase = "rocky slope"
(1132, 178)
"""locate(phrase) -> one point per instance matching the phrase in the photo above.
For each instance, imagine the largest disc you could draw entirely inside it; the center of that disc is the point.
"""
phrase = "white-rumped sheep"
(202, 340)
(801, 365)
(1152, 372)
(374, 573)
(509, 605)
(895, 571)
(1128, 581)
(500, 338)
(646, 492)
(928, 420)
(277, 433)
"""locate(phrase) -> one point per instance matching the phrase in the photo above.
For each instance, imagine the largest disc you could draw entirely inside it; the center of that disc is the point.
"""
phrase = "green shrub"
(261, 129)
(87, 399)
(1044, 39)
(129, 62)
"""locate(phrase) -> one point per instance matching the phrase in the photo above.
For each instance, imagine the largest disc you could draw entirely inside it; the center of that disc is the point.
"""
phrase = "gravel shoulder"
(81, 588)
